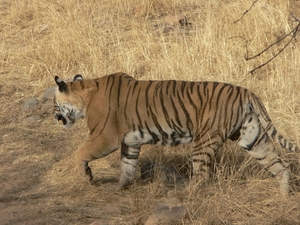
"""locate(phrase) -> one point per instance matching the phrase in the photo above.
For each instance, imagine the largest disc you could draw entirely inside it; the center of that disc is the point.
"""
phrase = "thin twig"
(246, 11)
(294, 31)
(282, 38)
(261, 65)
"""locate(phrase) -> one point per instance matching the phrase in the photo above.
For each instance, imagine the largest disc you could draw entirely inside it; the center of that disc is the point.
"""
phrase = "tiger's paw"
(180, 193)
(124, 182)
(120, 187)
(92, 182)
(86, 174)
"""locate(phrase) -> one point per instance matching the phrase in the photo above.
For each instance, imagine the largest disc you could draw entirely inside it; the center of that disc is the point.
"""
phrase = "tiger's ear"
(78, 77)
(62, 86)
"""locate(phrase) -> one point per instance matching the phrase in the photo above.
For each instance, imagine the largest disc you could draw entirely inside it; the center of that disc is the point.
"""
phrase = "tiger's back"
(127, 113)
(169, 112)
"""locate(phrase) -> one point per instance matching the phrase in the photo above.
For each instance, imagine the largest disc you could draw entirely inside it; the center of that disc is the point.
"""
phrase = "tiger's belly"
(138, 138)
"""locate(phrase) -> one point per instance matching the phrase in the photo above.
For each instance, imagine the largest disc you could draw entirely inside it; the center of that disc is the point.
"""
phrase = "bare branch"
(279, 40)
(294, 32)
(246, 45)
(246, 11)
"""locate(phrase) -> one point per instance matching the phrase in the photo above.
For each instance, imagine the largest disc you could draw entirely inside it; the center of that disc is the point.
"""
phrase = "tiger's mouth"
(60, 117)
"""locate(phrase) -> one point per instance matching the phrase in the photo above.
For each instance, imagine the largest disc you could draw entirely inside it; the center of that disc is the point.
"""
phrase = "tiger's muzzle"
(67, 121)
(59, 117)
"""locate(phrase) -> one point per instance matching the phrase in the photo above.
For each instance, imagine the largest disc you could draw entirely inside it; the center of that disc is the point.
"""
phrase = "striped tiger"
(122, 112)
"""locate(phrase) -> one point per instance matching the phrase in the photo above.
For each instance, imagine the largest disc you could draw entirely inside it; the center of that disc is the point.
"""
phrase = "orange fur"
(122, 112)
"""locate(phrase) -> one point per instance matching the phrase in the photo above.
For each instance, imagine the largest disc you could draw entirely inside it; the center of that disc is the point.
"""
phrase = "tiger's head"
(68, 104)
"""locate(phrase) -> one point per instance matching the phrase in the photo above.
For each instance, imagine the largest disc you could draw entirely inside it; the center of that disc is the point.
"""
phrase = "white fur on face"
(67, 113)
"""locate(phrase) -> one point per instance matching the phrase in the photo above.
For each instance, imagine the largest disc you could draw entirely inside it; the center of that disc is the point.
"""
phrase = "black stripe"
(141, 131)
(165, 111)
(183, 84)
(192, 86)
(189, 122)
(210, 143)
(134, 86)
(259, 159)
(125, 106)
(147, 93)
(154, 136)
(110, 102)
(82, 84)
(176, 112)
(119, 91)
(129, 156)
(97, 84)
(93, 129)
(257, 141)
(175, 127)
(219, 93)
(274, 132)
(203, 153)
(204, 87)
(204, 130)
(284, 143)
(199, 95)
(167, 86)
(161, 131)
(278, 160)
(72, 86)
(136, 108)
(192, 103)
(174, 87)
(157, 87)
(237, 96)
(206, 95)
(111, 77)
(199, 160)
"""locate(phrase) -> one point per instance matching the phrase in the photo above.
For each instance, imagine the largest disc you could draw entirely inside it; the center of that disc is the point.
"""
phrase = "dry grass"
(40, 39)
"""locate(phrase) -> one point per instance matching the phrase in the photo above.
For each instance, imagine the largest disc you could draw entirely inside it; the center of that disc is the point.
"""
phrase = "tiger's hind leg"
(260, 146)
(129, 161)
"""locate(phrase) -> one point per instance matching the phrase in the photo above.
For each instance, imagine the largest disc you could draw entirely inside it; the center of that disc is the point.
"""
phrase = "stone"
(167, 212)
(17, 161)
(98, 223)
(30, 104)
(152, 220)
(47, 106)
(49, 93)
(31, 120)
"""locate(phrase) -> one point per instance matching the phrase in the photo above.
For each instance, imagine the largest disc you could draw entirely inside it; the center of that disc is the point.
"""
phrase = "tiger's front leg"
(129, 161)
(90, 150)
(204, 149)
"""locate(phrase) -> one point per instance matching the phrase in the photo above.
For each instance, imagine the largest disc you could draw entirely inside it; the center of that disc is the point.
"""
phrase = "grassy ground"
(41, 39)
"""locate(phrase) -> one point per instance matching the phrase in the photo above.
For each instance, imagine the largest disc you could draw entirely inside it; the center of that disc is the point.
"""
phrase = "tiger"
(122, 112)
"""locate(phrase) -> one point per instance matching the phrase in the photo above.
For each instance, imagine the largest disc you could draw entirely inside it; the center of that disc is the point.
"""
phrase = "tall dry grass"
(41, 39)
